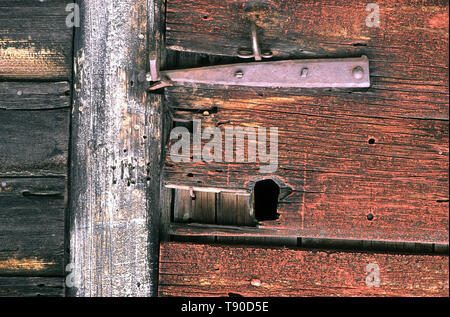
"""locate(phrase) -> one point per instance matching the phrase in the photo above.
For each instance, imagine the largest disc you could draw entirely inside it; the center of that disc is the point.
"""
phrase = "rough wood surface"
(337, 177)
(116, 152)
(35, 42)
(31, 286)
(212, 207)
(31, 226)
(34, 143)
(34, 95)
(347, 154)
(203, 270)
(408, 53)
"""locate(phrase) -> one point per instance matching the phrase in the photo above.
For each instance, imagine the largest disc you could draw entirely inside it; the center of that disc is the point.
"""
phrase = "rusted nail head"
(358, 72)
(239, 74)
(304, 72)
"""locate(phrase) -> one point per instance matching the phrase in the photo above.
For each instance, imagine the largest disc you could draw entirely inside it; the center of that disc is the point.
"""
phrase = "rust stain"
(28, 264)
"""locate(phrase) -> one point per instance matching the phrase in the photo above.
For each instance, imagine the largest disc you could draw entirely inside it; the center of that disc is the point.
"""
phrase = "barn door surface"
(360, 174)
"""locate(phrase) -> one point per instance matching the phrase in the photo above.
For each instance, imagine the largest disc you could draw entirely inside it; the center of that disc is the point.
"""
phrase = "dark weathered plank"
(408, 53)
(34, 143)
(31, 286)
(34, 95)
(116, 153)
(210, 206)
(31, 226)
(202, 270)
(35, 42)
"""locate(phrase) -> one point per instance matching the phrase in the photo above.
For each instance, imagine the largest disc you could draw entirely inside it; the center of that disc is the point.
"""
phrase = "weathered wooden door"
(365, 169)
(358, 189)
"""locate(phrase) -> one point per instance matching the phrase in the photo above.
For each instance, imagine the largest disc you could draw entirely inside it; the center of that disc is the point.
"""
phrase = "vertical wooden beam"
(116, 151)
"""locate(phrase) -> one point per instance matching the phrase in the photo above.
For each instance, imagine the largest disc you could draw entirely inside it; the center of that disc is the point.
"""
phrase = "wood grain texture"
(212, 208)
(34, 95)
(34, 143)
(408, 53)
(31, 226)
(203, 270)
(31, 286)
(347, 154)
(337, 177)
(35, 42)
(116, 150)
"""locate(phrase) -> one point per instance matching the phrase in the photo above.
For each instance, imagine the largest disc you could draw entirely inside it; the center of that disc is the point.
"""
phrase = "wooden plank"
(34, 96)
(349, 156)
(34, 143)
(31, 226)
(337, 176)
(409, 78)
(204, 270)
(35, 42)
(209, 207)
(116, 151)
(234, 210)
(31, 287)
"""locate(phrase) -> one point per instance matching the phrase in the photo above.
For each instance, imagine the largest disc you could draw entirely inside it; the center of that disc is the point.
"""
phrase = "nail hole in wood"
(371, 141)
(370, 217)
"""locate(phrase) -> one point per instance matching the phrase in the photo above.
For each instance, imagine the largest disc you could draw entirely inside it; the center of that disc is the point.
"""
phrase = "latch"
(306, 73)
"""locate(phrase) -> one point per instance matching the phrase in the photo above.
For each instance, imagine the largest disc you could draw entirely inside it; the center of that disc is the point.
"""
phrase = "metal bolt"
(239, 74)
(19, 93)
(358, 72)
(304, 72)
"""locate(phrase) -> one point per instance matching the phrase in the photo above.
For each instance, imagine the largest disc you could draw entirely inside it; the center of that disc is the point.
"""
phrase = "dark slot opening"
(184, 123)
(266, 194)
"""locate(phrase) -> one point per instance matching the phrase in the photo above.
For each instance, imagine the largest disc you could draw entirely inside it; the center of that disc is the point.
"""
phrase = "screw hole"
(205, 17)
(371, 141)
(370, 217)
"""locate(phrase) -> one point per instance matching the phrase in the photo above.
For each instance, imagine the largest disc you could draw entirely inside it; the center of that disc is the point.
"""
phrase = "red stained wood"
(338, 178)
(203, 270)
(408, 53)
